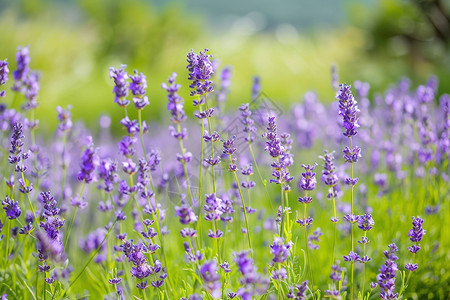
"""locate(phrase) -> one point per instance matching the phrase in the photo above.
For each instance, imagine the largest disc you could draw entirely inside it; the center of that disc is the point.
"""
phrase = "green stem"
(307, 251)
(29, 200)
(94, 254)
(364, 268)
(282, 212)
(186, 176)
(351, 228)
(212, 148)
(72, 220)
(245, 209)
(335, 227)
(64, 167)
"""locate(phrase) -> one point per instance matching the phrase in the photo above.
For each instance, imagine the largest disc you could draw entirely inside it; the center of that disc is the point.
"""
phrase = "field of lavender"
(345, 201)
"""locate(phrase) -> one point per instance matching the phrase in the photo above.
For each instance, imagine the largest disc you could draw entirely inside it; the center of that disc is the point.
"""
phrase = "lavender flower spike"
(176, 103)
(3, 75)
(20, 75)
(348, 110)
(120, 90)
(137, 87)
(89, 162)
(200, 71)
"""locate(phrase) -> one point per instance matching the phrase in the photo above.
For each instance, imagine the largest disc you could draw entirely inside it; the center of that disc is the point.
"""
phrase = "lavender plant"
(123, 221)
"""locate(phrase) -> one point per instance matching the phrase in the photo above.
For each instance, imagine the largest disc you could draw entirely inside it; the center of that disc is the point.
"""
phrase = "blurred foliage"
(73, 44)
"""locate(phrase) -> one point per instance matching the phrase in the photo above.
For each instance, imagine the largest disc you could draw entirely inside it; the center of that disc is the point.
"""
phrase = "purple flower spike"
(348, 110)
(138, 86)
(308, 180)
(3, 75)
(328, 174)
(89, 162)
(120, 90)
(64, 118)
(12, 208)
(386, 277)
(20, 75)
(365, 222)
(210, 276)
(200, 71)
(248, 122)
(176, 103)
(228, 146)
(417, 232)
(280, 250)
(305, 222)
(411, 267)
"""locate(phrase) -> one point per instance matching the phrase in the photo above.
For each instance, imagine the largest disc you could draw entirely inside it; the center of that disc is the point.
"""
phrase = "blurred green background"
(291, 45)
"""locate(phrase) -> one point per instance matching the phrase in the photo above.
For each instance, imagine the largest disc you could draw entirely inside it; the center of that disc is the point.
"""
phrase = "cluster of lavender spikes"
(135, 245)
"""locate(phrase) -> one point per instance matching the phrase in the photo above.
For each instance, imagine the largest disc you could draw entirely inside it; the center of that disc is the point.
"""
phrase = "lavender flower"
(365, 222)
(276, 150)
(200, 71)
(3, 75)
(386, 277)
(185, 213)
(176, 103)
(256, 87)
(213, 207)
(308, 180)
(141, 269)
(20, 75)
(314, 237)
(120, 90)
(252, 282)
(64, 118)
(248, 122)
(417, 232)
(210, 276)
(137, 87)
(11, 208)
(348, 110)
(17, 145)
(329, 176)
(89, 161)
(280, 250)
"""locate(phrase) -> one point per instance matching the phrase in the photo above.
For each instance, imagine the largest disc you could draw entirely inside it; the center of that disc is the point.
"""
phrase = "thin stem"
(186, 176)
(307, 251)
(244, 207)
(261, 178)
(64, 167)
(351, 228)
(29, 200)
(69, 229)
(212, 148)
(335, 226)
(282, 211)
(94, 254)
(364, 268)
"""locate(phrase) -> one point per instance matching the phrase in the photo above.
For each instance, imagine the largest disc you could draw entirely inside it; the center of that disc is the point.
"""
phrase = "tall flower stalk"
(307, 183)
(200, 70)
(330, 179)
(279, 171)
(348, 110)
(229, 149)
(416, 235)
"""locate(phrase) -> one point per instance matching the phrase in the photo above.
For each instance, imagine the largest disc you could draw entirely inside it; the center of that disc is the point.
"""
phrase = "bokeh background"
(290, 44)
